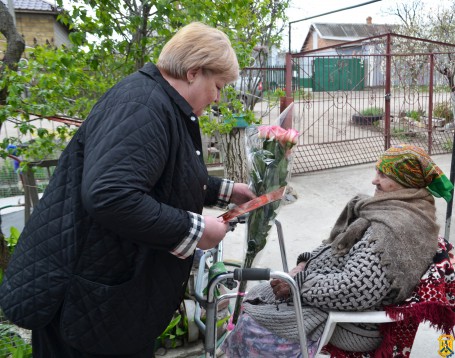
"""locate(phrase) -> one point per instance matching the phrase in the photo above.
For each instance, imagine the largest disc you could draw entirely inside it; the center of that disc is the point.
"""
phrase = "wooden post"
(30, 187)
(286, 101)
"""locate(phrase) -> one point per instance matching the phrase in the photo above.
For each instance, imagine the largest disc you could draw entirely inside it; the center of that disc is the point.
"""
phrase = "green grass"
(372, 111)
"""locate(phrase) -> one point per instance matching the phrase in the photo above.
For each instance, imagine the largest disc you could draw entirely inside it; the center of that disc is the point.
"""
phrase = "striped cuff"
(300, 279)
(303, 257)
(186, 248)
(224, 195)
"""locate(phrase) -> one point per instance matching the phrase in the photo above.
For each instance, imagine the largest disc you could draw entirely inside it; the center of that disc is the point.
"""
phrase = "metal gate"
(362, 97)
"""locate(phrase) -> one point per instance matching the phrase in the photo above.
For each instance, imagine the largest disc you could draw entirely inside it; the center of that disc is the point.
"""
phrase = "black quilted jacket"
(97, 245)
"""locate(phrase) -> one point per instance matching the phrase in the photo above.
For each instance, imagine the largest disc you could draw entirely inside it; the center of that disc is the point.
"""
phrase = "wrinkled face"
(384, 184)
(203, 90)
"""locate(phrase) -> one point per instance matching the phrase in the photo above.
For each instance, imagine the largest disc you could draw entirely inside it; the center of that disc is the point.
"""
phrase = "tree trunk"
(15, 45)
(234, 158)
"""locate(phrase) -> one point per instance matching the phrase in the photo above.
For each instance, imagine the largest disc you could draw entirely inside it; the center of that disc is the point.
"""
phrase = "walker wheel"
(193, 329)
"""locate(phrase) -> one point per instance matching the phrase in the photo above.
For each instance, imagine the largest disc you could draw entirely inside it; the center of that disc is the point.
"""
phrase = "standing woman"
(104, 260)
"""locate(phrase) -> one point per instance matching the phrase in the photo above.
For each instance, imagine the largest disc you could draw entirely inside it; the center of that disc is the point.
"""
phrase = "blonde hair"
(197, 46)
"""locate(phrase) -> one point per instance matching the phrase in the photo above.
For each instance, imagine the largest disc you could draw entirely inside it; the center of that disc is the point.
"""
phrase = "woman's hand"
(214, 231)
(241, 194)
(281, 289)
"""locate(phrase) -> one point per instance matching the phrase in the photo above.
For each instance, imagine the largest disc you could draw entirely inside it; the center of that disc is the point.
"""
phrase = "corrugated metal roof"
(32, 5)
(349, 31)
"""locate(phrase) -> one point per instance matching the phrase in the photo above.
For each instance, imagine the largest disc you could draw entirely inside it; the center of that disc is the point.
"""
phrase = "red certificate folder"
(253, 204)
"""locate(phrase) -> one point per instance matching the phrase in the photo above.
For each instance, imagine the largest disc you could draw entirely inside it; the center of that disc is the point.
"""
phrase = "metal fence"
(408, 99)
(333, 89)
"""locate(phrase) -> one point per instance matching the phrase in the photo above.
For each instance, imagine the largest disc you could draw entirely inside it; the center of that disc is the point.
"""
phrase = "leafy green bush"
(175, 331)
(443, 110)
(447, 145)
(12, 345)
(415, 114)
(11, 242)
(228, 110)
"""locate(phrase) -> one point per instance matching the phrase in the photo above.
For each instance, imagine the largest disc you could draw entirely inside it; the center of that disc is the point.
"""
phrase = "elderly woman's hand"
(241, 194)
(281, 289)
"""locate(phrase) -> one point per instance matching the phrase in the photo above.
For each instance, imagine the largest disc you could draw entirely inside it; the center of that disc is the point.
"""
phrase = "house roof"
(346, 32)
(349, 31)
(32, 5)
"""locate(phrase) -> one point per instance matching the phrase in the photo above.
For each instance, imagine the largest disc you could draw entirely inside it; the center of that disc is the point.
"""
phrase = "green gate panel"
(335, 74)
(306, 82)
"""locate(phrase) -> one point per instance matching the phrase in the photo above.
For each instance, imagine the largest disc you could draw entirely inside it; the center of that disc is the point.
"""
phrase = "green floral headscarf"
(412, 167)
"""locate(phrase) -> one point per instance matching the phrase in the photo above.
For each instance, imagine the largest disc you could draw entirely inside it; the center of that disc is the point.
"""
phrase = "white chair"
(349, 317)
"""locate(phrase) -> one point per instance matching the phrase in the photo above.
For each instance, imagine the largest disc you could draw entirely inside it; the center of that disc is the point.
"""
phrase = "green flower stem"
(269, 168)
(259, 224)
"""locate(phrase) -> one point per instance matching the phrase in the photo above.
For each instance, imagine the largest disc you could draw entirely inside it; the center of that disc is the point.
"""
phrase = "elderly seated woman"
(377, 251)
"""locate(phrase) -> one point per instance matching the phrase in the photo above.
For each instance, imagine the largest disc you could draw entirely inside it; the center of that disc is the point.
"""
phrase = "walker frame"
(210, 302)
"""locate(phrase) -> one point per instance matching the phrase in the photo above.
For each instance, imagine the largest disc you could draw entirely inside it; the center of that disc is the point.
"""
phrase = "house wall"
(316, 42)
(36, 28)
(61, 35)
(309, 45)
(328, 43)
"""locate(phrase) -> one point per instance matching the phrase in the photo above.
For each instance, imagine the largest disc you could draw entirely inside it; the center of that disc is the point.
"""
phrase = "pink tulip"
(277, 133)
(264, 131)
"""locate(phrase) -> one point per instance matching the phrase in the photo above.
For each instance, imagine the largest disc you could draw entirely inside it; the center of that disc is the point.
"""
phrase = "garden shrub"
(443, 110)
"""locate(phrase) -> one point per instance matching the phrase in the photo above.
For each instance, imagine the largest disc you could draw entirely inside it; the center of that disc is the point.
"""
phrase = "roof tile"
(35, 5)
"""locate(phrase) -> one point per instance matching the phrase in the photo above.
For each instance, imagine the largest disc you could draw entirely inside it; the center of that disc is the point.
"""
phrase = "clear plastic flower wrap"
(269, 165)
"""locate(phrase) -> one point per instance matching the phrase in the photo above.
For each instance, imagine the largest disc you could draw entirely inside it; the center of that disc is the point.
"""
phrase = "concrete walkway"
(307, 221)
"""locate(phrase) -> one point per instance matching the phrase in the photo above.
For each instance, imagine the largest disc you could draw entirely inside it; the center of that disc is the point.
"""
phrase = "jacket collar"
(152, 71)
(191, 120)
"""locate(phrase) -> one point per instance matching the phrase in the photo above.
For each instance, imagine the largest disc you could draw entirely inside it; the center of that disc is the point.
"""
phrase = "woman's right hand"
(214, 231)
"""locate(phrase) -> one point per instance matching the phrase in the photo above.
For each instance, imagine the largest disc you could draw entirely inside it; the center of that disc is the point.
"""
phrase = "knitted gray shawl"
(405, 231)
(403, 236)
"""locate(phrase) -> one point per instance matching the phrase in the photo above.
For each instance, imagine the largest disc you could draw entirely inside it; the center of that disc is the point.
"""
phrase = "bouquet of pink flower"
(269, 161)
